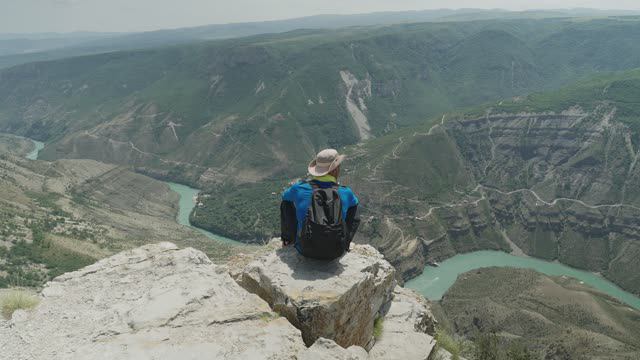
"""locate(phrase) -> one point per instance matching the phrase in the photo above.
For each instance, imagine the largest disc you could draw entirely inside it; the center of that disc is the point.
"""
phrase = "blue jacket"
(296, 201)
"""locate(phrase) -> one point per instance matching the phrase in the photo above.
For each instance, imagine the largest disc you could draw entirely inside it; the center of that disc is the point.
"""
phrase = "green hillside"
(57, 217)
(570, 321)
(263, 105)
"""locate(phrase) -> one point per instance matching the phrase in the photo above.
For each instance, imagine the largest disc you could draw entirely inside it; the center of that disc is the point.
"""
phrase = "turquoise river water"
(434, 281)
(188, 198)
(33, 155)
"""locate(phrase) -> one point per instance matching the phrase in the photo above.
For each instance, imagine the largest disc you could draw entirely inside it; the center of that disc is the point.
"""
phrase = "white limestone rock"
(337, 300)
(19, 316)
(154, 302)
(407, 329)
(325, 349)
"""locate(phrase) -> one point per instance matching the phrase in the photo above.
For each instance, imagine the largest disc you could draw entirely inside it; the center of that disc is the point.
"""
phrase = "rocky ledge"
(161, 302)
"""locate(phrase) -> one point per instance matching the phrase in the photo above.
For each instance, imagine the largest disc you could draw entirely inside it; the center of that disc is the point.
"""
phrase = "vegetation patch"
(519, 314)
(378, 327)
(447, 342)
(31, 264)
(247, 212)
(16, 300)
(489, 347)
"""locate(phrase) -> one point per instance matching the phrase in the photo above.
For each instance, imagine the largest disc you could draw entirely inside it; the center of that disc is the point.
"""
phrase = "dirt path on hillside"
(557, 200)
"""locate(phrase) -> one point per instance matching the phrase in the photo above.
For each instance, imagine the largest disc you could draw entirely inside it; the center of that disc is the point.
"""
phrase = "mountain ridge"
(83, 43)
(153, 107)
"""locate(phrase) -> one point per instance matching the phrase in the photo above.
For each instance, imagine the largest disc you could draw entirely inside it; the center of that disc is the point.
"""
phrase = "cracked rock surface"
(161, 302)
(407, 328)
(154, 302)
(337, 300)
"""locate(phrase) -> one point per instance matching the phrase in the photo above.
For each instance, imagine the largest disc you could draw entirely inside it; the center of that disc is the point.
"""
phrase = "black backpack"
(324, 233)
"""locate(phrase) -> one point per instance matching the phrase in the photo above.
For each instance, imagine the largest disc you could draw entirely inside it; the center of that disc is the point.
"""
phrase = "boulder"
(154, 302)
(337, 300)
(325, 349)
(407, 328)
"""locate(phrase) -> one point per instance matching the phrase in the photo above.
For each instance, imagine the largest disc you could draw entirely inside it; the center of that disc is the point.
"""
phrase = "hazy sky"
(139, 15)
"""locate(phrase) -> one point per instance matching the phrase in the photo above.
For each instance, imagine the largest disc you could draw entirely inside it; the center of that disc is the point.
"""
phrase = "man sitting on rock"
(318, 215)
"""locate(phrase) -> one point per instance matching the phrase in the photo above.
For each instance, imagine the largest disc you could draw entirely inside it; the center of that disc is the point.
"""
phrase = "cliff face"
(559, 186)
(160, 302)
(562, 186)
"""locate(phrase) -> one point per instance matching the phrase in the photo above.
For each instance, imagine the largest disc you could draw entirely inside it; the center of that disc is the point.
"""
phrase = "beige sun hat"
(325, 162)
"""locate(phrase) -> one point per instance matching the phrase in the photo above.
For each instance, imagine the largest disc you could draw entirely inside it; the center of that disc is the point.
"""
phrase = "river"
(435, 281)
(38, 145)
(187, 201)
(188, 197)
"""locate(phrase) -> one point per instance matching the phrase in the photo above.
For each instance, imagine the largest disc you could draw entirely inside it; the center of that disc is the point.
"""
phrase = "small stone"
(19, 316)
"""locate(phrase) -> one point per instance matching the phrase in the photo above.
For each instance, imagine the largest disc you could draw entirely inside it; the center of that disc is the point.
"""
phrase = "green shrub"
(15, 300)
(445, 341)
(378, 326)
(487, 347)
(519, 352)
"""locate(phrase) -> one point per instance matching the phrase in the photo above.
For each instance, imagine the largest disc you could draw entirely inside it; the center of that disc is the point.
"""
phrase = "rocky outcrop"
(407, 324)
(155, 302)
(160, 302)
(339, 300)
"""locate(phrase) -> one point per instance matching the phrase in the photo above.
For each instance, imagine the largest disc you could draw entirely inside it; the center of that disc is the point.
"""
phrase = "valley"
(59, 216)
(541, 174)
(188, 201)
(551, 175)
(505, 150)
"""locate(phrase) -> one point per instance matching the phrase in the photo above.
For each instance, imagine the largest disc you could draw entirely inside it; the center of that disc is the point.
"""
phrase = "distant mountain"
(23, 45)
(265, 104)
(23, 48)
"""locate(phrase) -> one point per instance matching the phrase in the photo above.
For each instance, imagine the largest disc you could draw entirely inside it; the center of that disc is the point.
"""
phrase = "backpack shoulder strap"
(313, 183)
